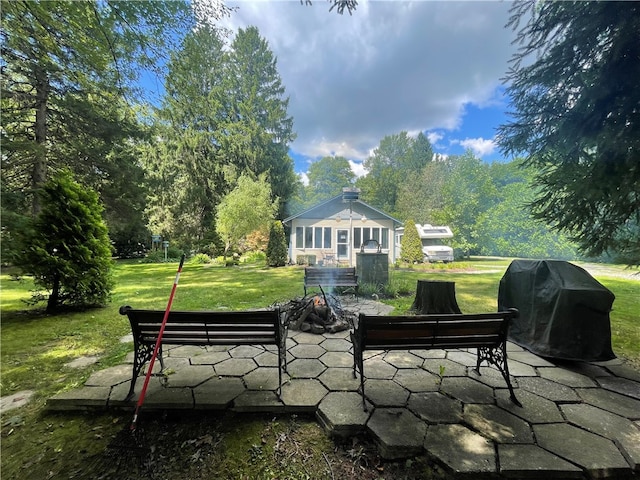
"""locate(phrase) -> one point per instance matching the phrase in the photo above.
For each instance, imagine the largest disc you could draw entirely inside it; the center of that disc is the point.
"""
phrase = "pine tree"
(411, 245)
(575, 90)
(277, 246)
(68, 251)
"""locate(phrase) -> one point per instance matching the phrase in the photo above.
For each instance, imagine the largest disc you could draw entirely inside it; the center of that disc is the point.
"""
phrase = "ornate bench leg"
(142, 354)
(358, 364)
(282, 364)
(497, 356)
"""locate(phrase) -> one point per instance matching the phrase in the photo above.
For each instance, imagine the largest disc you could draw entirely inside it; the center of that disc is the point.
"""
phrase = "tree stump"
(435, 297)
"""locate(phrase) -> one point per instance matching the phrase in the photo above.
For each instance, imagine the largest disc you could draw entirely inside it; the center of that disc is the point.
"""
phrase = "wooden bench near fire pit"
(487, 332)
(202, 328)
(330, 277)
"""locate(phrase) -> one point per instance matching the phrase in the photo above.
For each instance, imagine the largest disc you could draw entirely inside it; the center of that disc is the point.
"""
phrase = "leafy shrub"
(306, 259)
(254, 257)
(157, 256)
(200, 259)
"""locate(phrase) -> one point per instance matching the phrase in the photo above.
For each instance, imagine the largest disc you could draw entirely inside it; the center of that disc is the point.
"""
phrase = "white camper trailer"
(433, 246)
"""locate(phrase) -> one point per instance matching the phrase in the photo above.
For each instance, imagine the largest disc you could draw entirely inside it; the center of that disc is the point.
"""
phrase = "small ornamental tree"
(277, 246)
(411, 245)
(247, 208)
(68, 251)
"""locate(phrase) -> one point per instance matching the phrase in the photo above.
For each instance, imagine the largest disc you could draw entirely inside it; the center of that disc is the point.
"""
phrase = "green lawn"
(36, 346)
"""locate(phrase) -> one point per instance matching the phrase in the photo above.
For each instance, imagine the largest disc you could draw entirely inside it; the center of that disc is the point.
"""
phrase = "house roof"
(337, 207)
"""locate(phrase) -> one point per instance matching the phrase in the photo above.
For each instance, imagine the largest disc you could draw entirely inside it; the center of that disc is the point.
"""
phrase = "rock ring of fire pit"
(318, 314)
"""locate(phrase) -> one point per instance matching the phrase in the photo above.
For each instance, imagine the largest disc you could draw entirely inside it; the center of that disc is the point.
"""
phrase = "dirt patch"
(227, 446)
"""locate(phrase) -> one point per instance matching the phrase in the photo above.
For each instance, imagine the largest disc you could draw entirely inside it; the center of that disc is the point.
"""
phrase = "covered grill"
(564, 311)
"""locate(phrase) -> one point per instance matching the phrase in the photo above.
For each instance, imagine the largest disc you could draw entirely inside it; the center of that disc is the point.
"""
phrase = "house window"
(317, 237)
(308, 237)
(313, 237)
(384, 242)
(327, 237)
(299, 237)
(361, 235)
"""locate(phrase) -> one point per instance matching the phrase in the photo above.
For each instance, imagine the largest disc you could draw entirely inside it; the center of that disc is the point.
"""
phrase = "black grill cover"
(564, 311)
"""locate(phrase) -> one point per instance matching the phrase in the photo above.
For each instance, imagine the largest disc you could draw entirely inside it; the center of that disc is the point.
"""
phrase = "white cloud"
(389, 67)
(357, 168)
(435, 137)
(324, 148)
(480, 146)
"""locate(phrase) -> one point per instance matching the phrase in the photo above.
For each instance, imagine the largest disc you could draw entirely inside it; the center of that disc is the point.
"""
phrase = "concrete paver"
(217, 393)
(495, 423)
(385, 393)
(435, 407)
(531, 461)
(461, 449)
(397, 432)
(342, 415)
(578, 419)
(597, 455)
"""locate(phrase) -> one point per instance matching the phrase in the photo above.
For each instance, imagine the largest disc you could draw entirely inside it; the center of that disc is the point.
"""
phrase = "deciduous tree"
(246, 208)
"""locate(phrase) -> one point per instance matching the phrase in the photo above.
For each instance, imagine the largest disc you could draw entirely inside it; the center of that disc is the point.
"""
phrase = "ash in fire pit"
(317, 314)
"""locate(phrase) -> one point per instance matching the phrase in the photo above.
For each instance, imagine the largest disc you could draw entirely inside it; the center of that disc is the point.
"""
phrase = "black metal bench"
(330, 277)
(202, 328)
(487, 332)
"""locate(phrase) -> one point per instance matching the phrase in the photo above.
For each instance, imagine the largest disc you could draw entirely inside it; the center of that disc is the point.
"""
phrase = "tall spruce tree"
(184, 166)
(575, 88)
(65, 67)
(259, 130)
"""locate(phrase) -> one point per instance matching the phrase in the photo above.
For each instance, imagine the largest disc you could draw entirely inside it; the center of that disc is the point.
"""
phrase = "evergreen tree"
(65, 67)
(411, 245)
(184, 166)
(277, 255)
(259, 130)
(68, 251)
(575, 86)
(422, 153)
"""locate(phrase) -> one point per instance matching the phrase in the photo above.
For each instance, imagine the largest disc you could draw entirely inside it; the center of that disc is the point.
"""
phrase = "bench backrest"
(329, 274)
(375, 332)
(207, 328)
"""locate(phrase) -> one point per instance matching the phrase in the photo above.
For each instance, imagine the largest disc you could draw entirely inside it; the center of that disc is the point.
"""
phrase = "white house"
(334, 231)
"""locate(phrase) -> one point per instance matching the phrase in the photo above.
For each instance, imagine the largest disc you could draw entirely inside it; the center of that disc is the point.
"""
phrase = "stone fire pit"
(317, 314)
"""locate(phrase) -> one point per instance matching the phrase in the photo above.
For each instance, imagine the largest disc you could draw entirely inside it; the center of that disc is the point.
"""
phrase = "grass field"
(36, 347)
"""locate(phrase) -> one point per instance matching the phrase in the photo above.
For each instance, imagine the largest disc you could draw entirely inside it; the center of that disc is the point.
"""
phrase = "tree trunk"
(52, 303)
(39, 172)
(435, 297)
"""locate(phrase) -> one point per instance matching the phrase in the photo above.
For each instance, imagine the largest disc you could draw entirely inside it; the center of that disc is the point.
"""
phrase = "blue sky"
(393, 66)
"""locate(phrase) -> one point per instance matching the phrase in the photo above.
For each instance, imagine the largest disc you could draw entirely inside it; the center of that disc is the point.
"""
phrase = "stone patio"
(579, 420)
